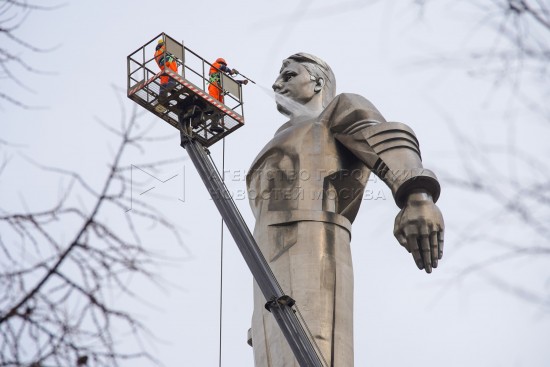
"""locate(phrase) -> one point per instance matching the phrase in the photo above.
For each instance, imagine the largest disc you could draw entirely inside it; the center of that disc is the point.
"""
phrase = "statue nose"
(277, 85)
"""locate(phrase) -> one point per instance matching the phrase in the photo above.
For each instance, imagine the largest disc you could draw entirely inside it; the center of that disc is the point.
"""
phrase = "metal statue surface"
(305, 188)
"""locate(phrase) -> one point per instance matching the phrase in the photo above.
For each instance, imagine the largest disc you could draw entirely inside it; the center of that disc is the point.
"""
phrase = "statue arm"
(391, 150)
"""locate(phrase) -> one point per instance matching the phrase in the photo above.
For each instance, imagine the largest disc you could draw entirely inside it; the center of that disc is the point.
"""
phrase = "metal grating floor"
(181, 97)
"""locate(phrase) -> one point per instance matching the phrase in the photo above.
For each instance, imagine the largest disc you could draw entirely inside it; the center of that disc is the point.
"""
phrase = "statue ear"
(319, 84)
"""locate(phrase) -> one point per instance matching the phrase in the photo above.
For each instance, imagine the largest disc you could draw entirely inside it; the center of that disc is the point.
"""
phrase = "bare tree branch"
(13, 15)
(512, 181)
(54, 306)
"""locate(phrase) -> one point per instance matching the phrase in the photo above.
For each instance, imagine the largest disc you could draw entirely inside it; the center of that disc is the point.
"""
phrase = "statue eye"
(288, 76)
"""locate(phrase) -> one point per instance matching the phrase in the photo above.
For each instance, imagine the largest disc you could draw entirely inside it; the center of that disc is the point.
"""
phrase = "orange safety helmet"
(221, 60)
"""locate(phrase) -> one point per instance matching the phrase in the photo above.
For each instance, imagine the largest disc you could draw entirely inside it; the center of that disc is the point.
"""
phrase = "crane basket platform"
(182, 94)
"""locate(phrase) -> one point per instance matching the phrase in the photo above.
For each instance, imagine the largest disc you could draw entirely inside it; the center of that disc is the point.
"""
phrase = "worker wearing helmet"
(165, 59)
(215, 89)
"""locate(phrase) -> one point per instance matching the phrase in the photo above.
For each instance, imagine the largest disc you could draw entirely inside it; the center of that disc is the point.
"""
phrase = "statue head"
(306, 84)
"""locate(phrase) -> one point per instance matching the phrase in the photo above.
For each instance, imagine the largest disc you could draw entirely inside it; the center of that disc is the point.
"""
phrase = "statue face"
(294, 88)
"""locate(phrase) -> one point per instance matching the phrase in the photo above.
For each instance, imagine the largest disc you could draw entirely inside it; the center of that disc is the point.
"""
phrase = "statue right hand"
(419, 227)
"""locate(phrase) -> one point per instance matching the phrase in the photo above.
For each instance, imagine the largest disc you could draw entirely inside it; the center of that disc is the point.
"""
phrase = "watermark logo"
(138, 191)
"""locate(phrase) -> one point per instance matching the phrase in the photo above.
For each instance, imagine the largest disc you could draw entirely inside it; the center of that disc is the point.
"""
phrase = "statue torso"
(304, 168)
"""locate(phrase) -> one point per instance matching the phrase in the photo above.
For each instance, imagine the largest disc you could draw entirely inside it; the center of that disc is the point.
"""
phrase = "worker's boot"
(163, 96)
(216, 128)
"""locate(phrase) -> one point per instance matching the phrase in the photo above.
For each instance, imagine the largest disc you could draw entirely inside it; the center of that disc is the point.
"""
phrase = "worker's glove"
(234, 72)
(245, 82)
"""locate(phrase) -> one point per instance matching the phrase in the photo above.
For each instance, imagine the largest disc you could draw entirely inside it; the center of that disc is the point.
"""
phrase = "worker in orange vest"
(215, 88)
(165, 59)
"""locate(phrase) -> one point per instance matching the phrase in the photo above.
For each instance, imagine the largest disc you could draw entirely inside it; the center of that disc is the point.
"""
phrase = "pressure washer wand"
(247, 78)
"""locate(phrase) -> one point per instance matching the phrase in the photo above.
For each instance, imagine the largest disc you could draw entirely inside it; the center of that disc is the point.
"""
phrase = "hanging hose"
(221, 265)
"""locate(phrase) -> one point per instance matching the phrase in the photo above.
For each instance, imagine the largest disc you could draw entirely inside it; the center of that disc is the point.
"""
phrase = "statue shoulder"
(354, 100)
(348, 109)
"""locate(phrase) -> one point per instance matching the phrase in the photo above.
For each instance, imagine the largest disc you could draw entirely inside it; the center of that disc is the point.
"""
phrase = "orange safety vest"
(164, 59)
(213, 69)
(214, 87)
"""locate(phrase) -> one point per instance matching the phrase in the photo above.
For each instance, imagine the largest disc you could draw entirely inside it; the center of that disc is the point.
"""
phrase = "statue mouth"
(280, 98)
(285, 105)
(290, 107)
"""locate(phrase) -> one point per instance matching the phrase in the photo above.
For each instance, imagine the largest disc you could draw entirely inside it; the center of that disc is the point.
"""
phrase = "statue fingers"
(414, 249)
(426, 252)
(434, 246)
(440, 242)
(401, 239)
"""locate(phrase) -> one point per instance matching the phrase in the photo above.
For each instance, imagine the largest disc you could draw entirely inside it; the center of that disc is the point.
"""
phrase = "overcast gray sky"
(402, 315)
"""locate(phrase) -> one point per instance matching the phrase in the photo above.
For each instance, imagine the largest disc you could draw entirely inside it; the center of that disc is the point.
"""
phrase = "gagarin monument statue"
(305, 188)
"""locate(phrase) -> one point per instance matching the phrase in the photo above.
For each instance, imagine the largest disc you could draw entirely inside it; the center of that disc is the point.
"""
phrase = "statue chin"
(283, 110)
